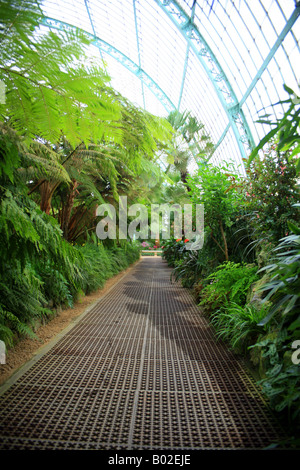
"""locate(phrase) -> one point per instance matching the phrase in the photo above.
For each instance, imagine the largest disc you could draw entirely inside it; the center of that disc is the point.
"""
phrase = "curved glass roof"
(224, 60)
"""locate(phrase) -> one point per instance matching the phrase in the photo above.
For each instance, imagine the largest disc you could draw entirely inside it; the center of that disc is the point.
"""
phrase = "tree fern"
(10, 324)
(47, 88)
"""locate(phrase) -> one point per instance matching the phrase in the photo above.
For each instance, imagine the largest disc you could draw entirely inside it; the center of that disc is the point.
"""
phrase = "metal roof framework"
(225, 61)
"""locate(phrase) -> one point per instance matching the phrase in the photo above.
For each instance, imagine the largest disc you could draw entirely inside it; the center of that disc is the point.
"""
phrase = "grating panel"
(141, 370)
(200, 420)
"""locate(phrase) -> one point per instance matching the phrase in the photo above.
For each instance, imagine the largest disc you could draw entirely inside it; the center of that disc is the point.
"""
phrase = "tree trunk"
(224, 240)
(183, 177)
(67, 209)
(47, 189)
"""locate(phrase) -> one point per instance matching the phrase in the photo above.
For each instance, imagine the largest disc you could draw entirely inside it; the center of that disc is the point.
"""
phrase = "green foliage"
(27, 232)
(190, 142)
(173, 250)
(283, 289)
(285, 129)
(33, 292)
(272, 189)
(230, 282)
(101, 263)
(47, 87)
(257, 219)
(22, 301)
(218, 189)
(10, 158)
(68, 142)
(192, 132)
(55, 287)
(97, 266)
(238, 325)
(189, 266)
(28, 237)
(39, 269)
(281, 378)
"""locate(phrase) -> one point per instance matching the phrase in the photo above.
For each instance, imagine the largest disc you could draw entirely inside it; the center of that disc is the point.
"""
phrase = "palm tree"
(186, 144)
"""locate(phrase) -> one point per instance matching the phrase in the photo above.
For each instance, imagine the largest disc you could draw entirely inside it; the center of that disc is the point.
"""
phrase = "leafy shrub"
(22, 301)
(194, 265)
(271, 193)
(55, 286)
(230, 282)
(282, 378)
(188, 269)
(173, 251)
(218, 189)
(29, 241)
(101, 263)
(239, 325)
(283, 289)
(27, 292)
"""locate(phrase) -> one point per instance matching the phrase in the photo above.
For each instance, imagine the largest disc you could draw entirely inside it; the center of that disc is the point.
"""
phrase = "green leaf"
(266, 139)
(293, 228)
(288, 89)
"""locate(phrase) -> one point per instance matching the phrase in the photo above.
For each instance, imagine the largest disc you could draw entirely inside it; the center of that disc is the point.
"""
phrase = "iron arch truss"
(124, 60)
(223, 60)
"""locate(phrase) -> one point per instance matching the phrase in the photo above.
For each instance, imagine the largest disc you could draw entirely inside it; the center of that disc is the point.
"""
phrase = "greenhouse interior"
(150, 227)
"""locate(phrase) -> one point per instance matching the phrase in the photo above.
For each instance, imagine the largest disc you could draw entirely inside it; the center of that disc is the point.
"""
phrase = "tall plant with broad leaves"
(82, 136)
(272, 189)
(67, 142)
(284, 130)
(190, 141)
(96, 172)
(282, 378)
(218, 189)
(26, 234)
(282, 375)
(273, 168)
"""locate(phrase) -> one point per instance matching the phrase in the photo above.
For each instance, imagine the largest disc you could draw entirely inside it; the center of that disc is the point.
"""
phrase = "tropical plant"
(189, 268)
(189, 143)
(22, 301)
(100, 263)
(218, 189)
(285, 129)
(238, 325)
(283, 289)
(229, 282)
(45, 127)
(48, 90)
(173, 250)
(272, 189)
(281, 377)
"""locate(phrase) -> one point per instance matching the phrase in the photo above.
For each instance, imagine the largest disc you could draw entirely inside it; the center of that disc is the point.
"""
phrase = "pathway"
(140, 370)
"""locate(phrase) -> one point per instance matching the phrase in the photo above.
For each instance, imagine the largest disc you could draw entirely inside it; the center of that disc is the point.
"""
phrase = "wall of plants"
(246, 278)
(68, 143)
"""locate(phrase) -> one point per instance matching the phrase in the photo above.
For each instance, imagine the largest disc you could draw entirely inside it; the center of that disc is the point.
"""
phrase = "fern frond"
(44, 97)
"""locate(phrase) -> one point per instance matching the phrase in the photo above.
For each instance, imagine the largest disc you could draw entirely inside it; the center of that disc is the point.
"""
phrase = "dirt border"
(26, 350)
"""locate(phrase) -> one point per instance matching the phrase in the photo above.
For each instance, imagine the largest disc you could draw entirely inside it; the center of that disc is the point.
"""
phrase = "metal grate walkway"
(140, 370)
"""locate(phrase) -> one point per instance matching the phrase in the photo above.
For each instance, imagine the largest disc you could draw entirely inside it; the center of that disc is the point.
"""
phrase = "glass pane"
(226, 54)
